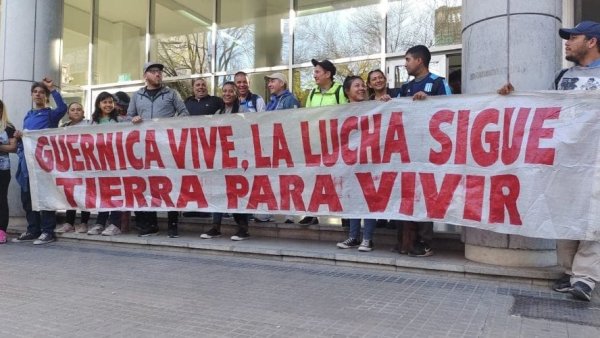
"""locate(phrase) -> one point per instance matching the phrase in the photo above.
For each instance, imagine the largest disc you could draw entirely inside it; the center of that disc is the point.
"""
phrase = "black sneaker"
(44, 238)
(349, 243)
(563, 284)
(150, 231)
(309, 220)
(289, 221)
(581, 291)
(421, 249)
(212, 233)
(366, 245)
(25, 237)
(172, 231)
(240, 235)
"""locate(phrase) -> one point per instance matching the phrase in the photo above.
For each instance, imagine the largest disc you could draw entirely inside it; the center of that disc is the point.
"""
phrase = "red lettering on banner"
(442, 156)
(510, 152)
(108, 192)
(152, 151)
(160, 188)
(121, 151)
(395, 140)
(106, 154)
(291, 188)
(281, 151)
(259, 160)
(474, 198)
(90, 193)
(44, 156)
(504, 193)
(408, 182)
(134, 188)
(438, 201)
(86, 142)
(209, 146)
(61, 157)
(236, 186)
(350, 156)
(324, 193)
(133, 138)
(191, 191)
(377, 198)
(229, 162)
(462, 139)
(178, 148)
(312, 160)
(329, 158)
(68, 185)
(534, 154)
(78, 165)
(262, 193)
(369, 140)
(492, 138)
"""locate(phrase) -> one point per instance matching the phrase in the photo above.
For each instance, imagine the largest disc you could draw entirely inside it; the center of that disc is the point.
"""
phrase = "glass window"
(422, 22)
(336, 29)
(181, 36)
(258, 85)
(120, 42)
(75, 47)
(304, 82)
(252, 34)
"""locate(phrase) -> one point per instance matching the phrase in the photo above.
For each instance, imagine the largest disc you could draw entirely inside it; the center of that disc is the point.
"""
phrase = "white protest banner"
(524, 164)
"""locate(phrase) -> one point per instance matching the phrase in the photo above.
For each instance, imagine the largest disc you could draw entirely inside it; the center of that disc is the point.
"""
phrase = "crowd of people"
(155, 100)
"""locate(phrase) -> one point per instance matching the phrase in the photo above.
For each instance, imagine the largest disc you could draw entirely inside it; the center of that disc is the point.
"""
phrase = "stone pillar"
(30, 37)
(527, 51)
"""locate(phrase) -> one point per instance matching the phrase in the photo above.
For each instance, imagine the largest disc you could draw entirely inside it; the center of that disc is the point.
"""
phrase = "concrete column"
(524, 48)
(30, 37)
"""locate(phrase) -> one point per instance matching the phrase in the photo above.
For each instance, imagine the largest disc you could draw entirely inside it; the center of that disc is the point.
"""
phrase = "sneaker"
(266, 220)
(240, 235)
(25, 237)
(563, 284)
(150, 231)
(289, 221)
(44, 238)
(421, 249)
(172, 231)
(366, 245)
(64, 228)
(581, 291)
(349, 243)
(309, 220)
(111, 230)
(2, 237)
(212, 233)
(96, 230)
(81, 228)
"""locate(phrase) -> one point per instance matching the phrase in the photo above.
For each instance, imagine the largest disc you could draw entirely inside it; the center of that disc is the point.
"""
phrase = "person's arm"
(260, 104)
(61, 107)
(506, 89)
(11, 147)
(132, 110)
(180, 109)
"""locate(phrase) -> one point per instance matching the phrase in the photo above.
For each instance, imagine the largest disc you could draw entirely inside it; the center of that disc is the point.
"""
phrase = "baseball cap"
(278, 76)
(587, 28)
(153, 64)
(325, 64)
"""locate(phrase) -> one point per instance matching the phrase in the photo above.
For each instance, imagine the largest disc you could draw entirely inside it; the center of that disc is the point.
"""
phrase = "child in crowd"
(8, 144)
(105, 113)
(76, 118)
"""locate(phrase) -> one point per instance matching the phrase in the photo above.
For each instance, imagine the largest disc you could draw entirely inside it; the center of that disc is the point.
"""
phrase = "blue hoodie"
(285, 100)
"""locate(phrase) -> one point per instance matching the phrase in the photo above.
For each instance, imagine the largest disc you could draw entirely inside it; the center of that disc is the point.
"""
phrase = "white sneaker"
(65, 227)
(96, 230)
(81, 228)
(111, 230)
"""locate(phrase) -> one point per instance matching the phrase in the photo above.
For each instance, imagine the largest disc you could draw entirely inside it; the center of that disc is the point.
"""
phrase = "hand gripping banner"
(524, 164)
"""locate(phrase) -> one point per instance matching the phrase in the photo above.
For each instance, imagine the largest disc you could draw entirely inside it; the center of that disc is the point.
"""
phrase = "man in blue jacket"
(40, 224)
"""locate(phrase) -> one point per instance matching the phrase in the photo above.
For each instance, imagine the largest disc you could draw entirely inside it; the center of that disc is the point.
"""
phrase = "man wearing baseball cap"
(155, 100)
(281, 97)
(581, 259)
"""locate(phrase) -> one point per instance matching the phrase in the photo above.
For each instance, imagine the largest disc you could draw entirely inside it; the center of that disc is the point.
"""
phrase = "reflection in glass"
(422, 22)
(75, 48)
(336, 30)
(181, 39)
(252, 34)
(120, 45)
(258, 84)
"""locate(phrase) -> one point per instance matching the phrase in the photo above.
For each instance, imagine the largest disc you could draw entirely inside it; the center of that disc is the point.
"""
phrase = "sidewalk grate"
(563, 310)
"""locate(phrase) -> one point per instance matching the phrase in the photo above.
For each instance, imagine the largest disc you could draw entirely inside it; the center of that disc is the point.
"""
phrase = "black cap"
(122, 99)
(325, 64)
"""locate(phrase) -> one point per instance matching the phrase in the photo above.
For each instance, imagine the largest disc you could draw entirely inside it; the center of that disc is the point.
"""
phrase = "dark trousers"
(148, 219)
(43, 221)
(113, 216)
(4, 181)
(241, 220)
(71, 214)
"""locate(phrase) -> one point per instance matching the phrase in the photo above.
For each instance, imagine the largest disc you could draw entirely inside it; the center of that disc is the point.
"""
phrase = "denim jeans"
(368, 231)
(38, 222)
